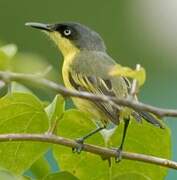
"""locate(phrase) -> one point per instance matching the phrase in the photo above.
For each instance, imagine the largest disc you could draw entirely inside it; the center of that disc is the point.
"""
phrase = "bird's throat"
(67, 67)
(66, 47)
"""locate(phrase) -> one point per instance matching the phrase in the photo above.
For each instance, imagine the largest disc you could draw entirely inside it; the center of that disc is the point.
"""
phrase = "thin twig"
(106, 152)
(28, 78)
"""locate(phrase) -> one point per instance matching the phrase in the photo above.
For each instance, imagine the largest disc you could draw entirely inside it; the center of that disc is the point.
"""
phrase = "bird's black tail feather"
(148, 117)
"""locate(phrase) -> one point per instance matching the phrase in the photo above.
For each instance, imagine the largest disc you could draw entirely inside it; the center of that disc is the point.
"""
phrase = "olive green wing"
(99, 86)
(92, 76)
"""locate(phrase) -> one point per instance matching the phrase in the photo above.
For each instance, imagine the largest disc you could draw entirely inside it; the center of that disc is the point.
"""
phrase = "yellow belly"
(81, 104)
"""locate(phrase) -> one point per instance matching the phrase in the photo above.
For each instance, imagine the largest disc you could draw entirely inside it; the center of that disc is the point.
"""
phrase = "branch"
(38, 80)
(104, 152)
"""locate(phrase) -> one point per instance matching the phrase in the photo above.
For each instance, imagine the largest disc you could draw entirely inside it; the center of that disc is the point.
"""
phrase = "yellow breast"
(83, 105)
(68, 60)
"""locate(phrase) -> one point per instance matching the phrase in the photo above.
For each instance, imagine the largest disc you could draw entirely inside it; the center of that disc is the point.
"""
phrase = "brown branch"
(38, 80)
(104, 152)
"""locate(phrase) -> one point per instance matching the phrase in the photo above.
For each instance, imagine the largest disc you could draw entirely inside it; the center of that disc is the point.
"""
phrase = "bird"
(86, 68)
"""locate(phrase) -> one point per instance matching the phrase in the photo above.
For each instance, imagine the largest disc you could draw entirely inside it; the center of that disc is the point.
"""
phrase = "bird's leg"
(81, 140)
(119, 150)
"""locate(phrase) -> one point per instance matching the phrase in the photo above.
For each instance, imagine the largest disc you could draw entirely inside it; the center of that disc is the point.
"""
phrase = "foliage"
(146, 140)
(22, 112)
(60, 175)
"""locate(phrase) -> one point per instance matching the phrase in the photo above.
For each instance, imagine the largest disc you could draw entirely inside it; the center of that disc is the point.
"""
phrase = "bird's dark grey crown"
(81, 36)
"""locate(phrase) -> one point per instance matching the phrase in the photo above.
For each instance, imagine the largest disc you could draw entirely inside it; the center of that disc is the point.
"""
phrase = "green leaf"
(6, 175)
(55, 111)
(26, 178)
(134, 176)
(6, 54)
(32, 63)
(21, 113)
(9, 50)
(76, 124)
(61, 175)
(16, 87)
(40, 168)
(4, 61)
(141, 138)
(146, 139)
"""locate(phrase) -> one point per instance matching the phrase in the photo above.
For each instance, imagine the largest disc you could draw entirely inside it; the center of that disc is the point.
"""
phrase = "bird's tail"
(148, 117)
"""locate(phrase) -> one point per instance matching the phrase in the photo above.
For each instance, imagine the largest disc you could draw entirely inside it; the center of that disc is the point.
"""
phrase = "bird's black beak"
(46, 27)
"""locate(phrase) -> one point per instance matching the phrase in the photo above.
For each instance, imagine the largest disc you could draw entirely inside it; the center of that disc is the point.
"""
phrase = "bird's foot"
(80, 145)
(118, 157)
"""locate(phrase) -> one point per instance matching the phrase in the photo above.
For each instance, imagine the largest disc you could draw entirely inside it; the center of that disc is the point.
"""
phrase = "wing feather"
(99, 86)
(93, 76)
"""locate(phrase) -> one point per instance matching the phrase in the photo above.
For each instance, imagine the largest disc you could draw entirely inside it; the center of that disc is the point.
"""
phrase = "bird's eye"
(67, 32)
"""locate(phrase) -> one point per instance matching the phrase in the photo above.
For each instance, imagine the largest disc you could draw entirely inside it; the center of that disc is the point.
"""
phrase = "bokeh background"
(138, 31)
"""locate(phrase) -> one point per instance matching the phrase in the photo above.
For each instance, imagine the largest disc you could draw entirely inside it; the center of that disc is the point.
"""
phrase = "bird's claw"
(118, 157)
(80, 145)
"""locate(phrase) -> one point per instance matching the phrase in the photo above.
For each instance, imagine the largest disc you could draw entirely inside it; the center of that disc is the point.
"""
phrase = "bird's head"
(71, 36)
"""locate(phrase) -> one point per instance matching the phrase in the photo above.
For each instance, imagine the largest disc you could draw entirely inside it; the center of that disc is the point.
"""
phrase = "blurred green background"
(136, 31)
